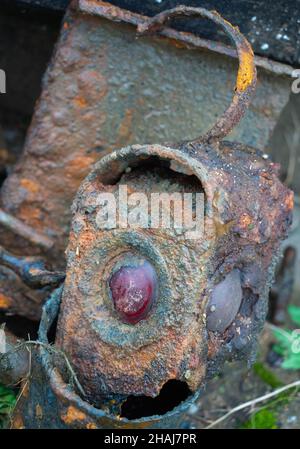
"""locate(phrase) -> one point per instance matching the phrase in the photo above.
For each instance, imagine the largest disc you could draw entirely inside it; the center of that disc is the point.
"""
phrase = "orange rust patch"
(80, 102)
(245, 221)
(91, 425)
(73, 414)
(246, 70)
(86, 240)
(79, 166)
(289, 201)
(30, 185)
(30, 215)
(5, 301)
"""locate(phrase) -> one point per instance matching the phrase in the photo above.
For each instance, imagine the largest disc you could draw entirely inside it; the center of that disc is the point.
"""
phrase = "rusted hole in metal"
(112, 177)
(171, 395)
(156, 175)
(170, 168)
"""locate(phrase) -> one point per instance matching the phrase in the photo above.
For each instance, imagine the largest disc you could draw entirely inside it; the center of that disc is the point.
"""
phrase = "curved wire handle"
(246, 76)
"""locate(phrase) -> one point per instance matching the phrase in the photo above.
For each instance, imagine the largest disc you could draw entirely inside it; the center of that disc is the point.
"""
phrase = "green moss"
(266, 417)
(263, 419)
(266, 375)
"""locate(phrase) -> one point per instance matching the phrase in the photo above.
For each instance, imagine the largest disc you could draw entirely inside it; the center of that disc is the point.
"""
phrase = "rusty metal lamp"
(145, 313)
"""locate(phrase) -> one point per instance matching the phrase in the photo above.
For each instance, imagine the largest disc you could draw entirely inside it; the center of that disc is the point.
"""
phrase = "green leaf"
(279, 349)
(294, 313)
(7, 402)
(7, 398)
(283, 337)
(292, 362)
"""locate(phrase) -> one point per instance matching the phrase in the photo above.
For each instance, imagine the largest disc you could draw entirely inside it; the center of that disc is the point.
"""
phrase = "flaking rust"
(205, 304)
(102, 92)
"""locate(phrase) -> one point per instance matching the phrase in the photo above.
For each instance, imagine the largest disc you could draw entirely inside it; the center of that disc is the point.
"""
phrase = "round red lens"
(133, 291)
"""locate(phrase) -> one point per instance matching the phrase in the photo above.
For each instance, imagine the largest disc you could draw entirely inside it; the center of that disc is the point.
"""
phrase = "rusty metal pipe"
(23, 230)
(114, 13)
(31, 270)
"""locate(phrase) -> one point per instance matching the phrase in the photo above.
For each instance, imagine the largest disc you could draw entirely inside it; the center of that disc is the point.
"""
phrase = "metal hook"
(246, 76)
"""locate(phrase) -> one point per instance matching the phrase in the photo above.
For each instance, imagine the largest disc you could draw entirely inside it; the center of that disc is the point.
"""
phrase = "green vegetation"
(288, 342)
(263, 419)
(267, 416)
(7, 402)
(267, 376)
(288, 346)
(294, 313)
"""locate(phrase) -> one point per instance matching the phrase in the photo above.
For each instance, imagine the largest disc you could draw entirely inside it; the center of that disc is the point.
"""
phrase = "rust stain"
(30, 185)
(80, 102)
(246, 221)
(246, 71)
(91, 425)
(78, 166)
(289, 201)
(30, 214)
(5, 301)
(73, 414)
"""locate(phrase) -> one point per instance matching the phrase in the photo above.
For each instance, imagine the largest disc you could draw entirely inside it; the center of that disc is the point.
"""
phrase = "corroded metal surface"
(31, 270)
(96, 98)
(243, 228)
(173, 342)
(247, 212)
(265, 32)
(102, 92)
(246, 76)
(19, 228)
(114, 13)
(50, 401)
